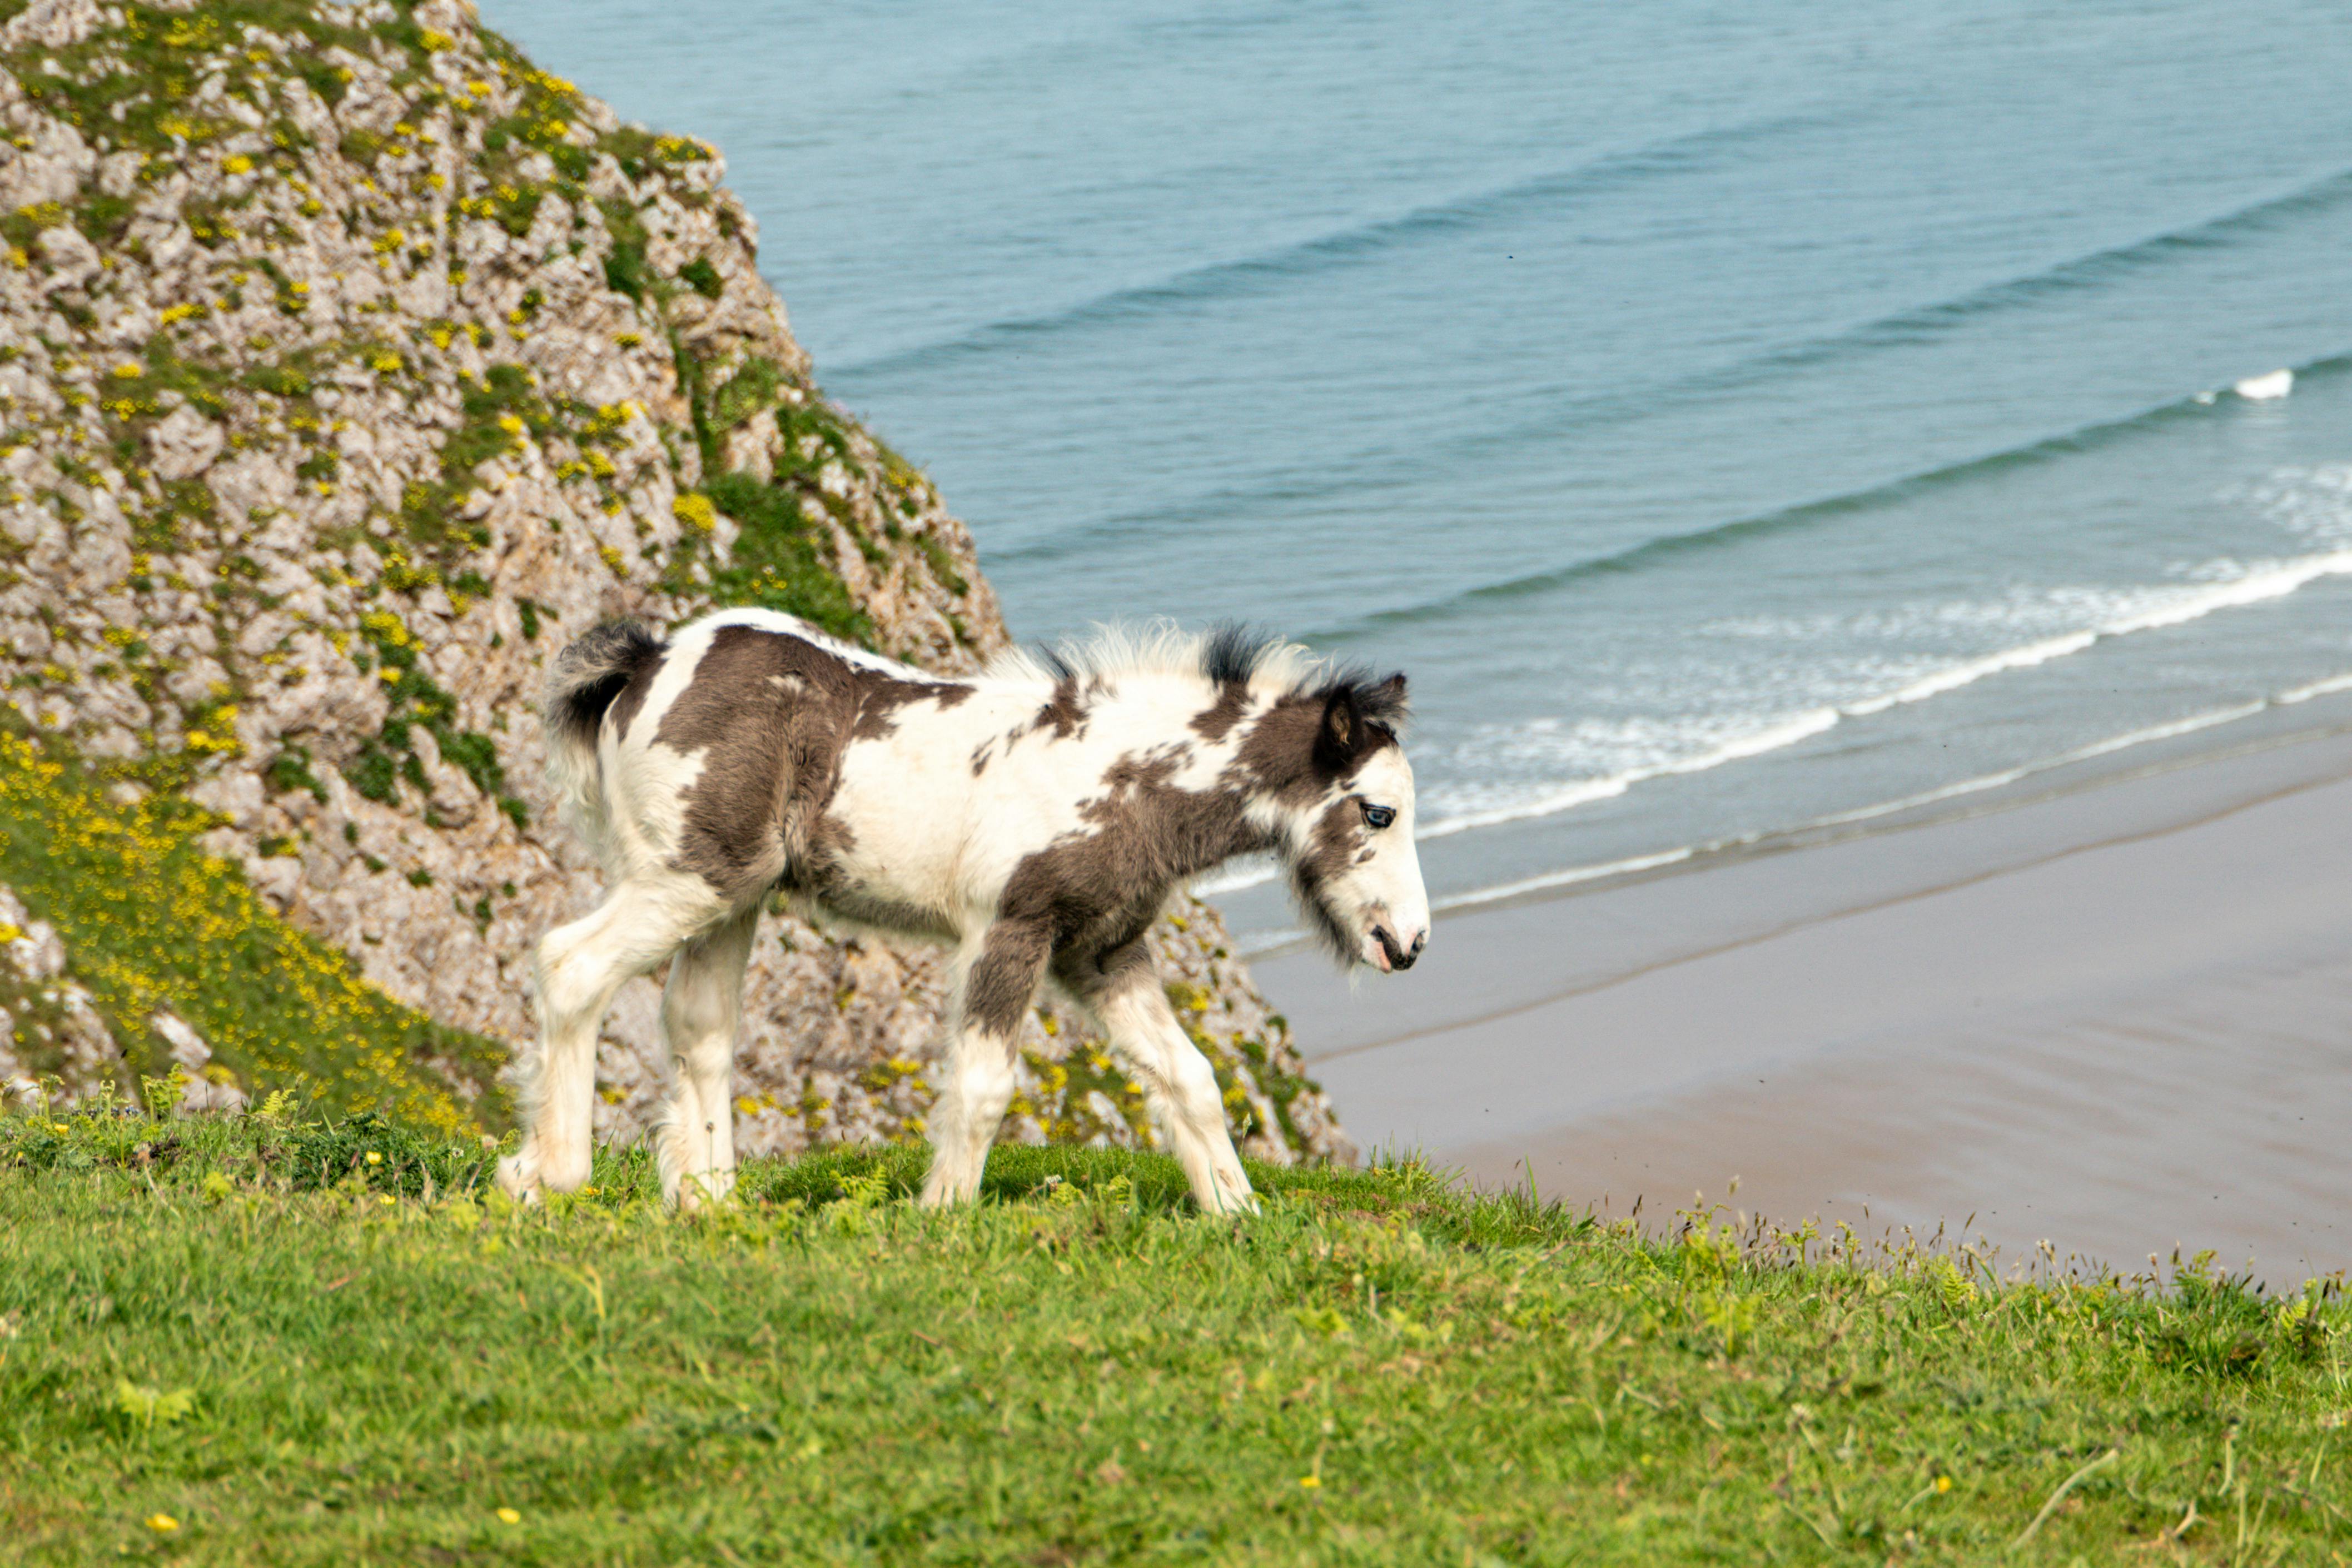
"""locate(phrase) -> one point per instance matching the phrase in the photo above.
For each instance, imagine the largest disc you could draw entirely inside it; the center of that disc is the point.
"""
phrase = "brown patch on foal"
(771, 714)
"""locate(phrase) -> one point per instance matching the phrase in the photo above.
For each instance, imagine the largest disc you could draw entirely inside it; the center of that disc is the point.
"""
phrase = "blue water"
(1668, 389)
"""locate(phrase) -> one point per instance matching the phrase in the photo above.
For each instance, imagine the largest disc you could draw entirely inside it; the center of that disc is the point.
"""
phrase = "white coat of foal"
(1035, 817)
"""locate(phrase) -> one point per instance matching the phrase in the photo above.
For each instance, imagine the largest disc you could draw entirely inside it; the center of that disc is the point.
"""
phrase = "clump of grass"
(370, 1356)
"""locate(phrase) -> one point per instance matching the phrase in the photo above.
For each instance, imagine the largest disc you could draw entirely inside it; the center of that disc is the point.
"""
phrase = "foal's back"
(723, 753)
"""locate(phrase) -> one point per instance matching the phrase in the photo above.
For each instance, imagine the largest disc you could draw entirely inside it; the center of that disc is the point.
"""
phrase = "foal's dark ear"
(1342, 732)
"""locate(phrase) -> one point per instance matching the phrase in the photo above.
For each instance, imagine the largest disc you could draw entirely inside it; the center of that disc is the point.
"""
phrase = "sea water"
(1730, 416)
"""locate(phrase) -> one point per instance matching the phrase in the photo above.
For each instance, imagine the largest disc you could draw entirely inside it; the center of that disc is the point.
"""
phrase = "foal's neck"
(1187, 831)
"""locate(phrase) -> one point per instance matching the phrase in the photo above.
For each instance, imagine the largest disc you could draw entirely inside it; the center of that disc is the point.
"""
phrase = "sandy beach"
(2110, 1011)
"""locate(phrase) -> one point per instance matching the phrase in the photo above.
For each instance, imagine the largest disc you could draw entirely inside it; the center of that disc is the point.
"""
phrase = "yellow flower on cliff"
(237, 164)
(695, 511)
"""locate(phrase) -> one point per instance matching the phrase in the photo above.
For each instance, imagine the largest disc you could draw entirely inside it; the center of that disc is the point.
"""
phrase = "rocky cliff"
(348, 365)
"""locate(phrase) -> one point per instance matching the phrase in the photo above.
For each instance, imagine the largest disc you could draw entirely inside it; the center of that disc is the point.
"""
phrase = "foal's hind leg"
(701, 1007)
(578, 968)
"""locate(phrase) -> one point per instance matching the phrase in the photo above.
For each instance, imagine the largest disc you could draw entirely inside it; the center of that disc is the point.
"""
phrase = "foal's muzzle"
(1395, 954)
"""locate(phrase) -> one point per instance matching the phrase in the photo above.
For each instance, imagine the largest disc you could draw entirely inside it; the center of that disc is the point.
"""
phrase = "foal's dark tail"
(582, 683)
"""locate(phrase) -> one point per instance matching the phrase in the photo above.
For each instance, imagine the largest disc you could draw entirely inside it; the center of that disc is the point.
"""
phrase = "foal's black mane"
(1233, 652)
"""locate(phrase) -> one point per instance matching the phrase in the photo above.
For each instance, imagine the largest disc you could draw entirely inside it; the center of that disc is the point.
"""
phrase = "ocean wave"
(1969, 672)
(2144, 611)
(1584, 407)
(1568, 878)
(2095, 267)
(1282, 263)
(2313, 500)
(1980, 783)
(1784, 520)
(1976, 785)
(2007, 776)
(1781, 731)
(2304, 693)
(2266, 388)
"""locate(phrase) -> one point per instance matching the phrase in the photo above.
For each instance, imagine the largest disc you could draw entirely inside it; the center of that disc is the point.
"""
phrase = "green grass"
(295, 1353)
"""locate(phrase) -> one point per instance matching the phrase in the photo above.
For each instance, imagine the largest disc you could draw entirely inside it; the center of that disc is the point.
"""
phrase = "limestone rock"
(54, 1045)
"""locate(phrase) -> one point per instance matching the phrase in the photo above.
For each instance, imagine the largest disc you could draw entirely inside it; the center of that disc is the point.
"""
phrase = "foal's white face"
(1379, 900)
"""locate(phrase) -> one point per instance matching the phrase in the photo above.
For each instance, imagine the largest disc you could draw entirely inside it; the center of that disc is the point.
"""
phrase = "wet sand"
(2113, 1012)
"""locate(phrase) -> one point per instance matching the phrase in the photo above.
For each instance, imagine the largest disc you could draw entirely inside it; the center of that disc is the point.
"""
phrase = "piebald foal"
(1035, 817)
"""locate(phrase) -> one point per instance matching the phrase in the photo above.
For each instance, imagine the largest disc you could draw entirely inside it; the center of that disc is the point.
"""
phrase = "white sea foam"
(2314, 500)
(2328, 687)
(1770, 737)
(1561, 879)
(2273, 579)
(1974, 670)
(2264, 388)
(2228, 585)
(2157, 732)
(1977, 785)
(1550, 803)
(1247, 872)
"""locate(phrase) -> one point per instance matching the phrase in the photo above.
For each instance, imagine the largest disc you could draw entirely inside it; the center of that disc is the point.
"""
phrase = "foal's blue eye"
(1378, 816)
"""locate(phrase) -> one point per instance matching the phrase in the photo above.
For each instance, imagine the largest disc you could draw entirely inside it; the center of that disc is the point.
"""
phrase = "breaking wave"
(2144, 610)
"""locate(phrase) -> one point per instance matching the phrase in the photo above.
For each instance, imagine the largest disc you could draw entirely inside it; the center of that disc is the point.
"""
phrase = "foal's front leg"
(996, 977)
(1122, 989)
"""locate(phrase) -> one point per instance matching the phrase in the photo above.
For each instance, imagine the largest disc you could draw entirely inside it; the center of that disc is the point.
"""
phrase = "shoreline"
(2101, 1007)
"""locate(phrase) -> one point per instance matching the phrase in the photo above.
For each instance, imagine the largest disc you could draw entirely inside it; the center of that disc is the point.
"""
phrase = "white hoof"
(1229, 1192)
(519, 1177)
(708, 1190)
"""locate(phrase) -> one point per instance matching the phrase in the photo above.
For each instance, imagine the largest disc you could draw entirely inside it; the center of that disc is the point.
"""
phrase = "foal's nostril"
(1418, 941)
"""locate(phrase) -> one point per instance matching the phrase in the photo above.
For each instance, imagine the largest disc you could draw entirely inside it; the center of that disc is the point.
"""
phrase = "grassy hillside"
(266, 1343)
